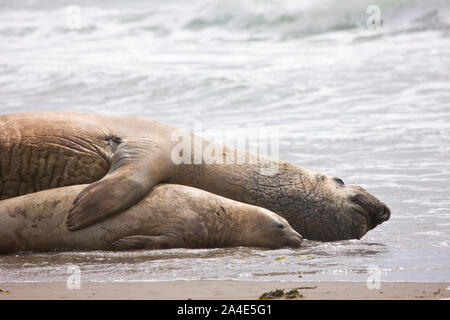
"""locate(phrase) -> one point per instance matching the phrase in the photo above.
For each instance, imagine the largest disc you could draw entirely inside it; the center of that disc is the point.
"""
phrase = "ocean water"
(367, 103)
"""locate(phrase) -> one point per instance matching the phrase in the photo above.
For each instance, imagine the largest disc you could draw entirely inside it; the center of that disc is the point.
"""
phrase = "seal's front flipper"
(134, 171)
(144, 242)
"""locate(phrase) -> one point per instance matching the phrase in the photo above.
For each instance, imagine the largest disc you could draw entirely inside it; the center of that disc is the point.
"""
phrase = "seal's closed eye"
(113, 138)
(113, 142)
(339, 181)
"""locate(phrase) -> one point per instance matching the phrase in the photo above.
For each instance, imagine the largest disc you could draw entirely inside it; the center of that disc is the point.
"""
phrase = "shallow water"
(370, 106)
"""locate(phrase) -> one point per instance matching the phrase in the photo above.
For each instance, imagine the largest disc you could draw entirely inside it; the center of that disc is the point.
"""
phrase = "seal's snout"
(385, 214)
(375, 211)
(294, 240)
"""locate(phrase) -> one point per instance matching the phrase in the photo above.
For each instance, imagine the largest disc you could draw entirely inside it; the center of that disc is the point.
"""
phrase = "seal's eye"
(280, 226)
(339, 181)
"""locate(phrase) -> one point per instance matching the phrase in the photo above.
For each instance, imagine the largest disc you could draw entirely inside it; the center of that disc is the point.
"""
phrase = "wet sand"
(220, 290)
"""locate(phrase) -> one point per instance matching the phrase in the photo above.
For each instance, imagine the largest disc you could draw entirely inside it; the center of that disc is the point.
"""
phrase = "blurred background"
(364, 99)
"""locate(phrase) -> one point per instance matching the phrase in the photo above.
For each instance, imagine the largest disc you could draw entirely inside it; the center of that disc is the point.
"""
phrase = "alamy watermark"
(373, 22)
(255, 146)
(74, 279)
(374, 279)
(73, 18)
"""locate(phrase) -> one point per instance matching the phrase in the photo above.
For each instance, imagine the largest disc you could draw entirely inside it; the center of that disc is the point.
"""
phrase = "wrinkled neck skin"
(313, 203)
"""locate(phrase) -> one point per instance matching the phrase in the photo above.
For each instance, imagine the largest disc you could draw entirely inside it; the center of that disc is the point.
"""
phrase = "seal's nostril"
(298, 235)
(296, 242)
(386, 213)
(383, 215)
(377, 211)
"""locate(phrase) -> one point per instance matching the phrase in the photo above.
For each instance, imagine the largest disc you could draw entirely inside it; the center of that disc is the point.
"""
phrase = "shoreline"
(222, 290)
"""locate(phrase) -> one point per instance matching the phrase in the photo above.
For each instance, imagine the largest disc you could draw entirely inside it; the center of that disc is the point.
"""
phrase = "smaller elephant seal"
(170, 216)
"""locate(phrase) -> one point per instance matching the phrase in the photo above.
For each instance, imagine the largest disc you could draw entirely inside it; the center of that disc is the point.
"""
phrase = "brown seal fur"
(170, 216)
(123, 157)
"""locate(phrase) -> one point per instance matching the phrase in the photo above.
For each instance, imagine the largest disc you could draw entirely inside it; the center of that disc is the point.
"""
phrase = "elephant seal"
(123, 157)
(170, 216)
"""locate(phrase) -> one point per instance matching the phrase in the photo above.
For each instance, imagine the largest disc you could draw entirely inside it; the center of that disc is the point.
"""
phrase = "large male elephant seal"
(170, 216)
(123, 157)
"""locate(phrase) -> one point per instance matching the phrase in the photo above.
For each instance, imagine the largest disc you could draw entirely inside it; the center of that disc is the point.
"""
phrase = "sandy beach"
(220, 290)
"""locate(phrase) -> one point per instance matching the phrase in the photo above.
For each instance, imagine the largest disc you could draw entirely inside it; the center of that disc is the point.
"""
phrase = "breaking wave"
(240, 20)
